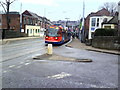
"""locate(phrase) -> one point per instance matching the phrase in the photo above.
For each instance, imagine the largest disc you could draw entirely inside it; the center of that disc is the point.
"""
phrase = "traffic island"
(60, 58)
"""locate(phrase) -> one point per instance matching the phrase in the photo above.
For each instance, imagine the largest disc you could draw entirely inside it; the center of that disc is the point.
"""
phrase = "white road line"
(5, 71)
(27, 63)
(11, 66)
(21, 62)
(59, 76)
(18, 66)
(27, 60)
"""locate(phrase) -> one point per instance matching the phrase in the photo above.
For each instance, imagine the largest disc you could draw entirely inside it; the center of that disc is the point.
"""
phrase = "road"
(20, 70)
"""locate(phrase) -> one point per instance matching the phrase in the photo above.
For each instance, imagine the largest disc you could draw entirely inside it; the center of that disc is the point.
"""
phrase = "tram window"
(52, 32)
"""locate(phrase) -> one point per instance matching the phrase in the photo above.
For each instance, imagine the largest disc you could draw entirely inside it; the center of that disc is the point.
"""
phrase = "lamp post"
(83, 21)
(119, 18)
(67, 21)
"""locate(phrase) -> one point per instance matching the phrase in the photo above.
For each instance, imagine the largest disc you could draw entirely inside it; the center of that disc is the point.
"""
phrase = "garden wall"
(106, 42)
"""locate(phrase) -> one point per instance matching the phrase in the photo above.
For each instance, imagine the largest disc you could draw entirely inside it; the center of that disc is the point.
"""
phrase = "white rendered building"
(96, 22)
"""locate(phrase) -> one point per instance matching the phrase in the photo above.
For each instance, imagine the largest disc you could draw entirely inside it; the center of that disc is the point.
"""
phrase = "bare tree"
(6, 6)
(110, 6)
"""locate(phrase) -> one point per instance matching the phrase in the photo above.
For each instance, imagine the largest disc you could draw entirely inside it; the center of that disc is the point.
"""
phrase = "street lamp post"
(119, 18)
(67, 21)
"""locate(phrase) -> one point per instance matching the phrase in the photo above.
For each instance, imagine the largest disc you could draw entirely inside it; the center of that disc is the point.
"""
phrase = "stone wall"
(106, 42)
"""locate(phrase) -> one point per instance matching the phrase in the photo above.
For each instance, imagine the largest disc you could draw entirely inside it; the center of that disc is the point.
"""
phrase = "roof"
(114, 20)
(119, 3)
(34, 15)
(102, 12)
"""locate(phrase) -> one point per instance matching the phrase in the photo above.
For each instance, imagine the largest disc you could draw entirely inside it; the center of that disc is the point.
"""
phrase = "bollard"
(49, 49)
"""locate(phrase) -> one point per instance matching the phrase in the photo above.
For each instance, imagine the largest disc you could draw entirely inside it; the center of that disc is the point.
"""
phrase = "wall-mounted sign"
(92, 29)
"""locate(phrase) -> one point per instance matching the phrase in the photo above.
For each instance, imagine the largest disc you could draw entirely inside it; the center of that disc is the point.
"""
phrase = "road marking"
(5, 71)
(21, 62)
(27, 60)
(27, 63)
(11, 66)
(59, 76)
(18, 66)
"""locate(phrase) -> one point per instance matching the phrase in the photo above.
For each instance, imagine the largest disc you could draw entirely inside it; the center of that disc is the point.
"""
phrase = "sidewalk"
(5, 41)
(75, 43)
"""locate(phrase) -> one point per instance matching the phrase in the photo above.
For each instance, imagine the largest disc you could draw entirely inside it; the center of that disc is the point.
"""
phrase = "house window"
(107, 27)
(24, 20)
(97, 22)
(31, 31)
(36, 31)
(105, 20)
(93, 21)
(27, 31)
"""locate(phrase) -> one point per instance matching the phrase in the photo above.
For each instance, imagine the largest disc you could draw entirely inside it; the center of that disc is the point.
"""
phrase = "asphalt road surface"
(20, 70)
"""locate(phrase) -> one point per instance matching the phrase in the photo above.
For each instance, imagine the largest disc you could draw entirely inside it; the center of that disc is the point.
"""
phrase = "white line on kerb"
(59, 76)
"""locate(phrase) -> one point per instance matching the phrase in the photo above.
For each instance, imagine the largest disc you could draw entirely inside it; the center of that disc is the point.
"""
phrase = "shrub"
(106, 32)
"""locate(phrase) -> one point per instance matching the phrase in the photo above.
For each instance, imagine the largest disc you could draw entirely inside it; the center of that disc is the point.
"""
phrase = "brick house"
(14, 21)
(0, 21)
(31, 23)
(102, 12)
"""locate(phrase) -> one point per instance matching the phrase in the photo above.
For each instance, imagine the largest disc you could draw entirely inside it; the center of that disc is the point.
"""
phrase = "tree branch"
(3, 3)
(3, 7)
(6, 1)
(12, 1)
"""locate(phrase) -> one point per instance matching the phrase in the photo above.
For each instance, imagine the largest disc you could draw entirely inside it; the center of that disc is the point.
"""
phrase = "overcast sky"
(58, 9)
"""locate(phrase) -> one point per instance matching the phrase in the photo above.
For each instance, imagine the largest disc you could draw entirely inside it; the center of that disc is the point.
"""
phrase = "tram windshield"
(53, 32)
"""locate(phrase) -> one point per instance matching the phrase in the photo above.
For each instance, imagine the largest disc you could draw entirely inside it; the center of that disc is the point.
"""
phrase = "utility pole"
(83, 21)
(20, 17)
(119, 18)
(67, 21)
(7, 15)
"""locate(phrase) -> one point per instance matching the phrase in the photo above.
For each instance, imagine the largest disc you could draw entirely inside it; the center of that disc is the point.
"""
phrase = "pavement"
(74, 43)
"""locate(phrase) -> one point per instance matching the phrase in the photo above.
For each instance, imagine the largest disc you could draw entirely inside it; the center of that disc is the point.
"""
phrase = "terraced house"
(31, 23)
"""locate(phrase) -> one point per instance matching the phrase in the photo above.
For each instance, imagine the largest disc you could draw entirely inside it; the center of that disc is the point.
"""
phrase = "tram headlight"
(46, 37)
(56, 37)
